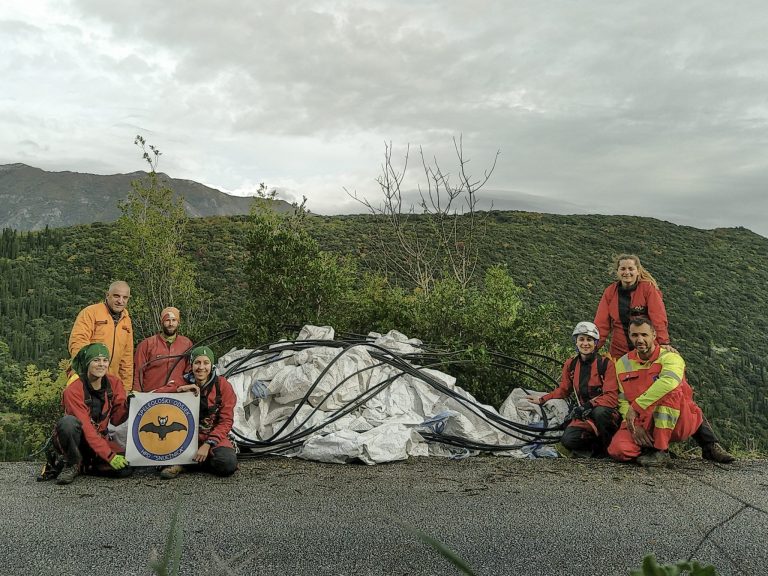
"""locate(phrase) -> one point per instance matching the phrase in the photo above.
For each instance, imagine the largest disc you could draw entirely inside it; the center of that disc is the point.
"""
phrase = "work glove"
(582, 412)
(118, 462)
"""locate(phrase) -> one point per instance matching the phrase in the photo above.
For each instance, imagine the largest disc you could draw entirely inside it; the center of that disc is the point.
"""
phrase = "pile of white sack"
(387, 426)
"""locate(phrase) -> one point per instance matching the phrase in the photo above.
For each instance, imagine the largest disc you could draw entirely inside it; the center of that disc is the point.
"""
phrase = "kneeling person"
(95, 399)
(217, 408)
(593, 380)
(656, 402)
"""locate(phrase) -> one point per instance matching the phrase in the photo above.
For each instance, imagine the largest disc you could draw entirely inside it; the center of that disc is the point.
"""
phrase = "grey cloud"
(653, 108)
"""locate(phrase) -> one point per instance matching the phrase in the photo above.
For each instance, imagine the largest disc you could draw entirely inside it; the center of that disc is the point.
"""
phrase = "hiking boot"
(170, 472)
(717, 453)
(68, 474)
(655, 459)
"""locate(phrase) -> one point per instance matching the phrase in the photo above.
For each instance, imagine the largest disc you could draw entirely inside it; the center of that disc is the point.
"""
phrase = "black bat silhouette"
(162, 428)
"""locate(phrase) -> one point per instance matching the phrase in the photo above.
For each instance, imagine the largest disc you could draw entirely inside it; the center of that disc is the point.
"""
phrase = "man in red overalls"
(655, 400)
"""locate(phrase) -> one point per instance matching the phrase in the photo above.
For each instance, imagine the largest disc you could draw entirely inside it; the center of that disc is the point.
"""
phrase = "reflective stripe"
(670, 374)
(626, 364)
(665, 417)
(622, 397)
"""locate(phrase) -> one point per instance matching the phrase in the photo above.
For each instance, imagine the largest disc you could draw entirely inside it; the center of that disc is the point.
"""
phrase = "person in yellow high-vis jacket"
(655, 400)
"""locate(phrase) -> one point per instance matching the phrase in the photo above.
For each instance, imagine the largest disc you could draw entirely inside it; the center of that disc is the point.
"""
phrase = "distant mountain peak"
(32, 198)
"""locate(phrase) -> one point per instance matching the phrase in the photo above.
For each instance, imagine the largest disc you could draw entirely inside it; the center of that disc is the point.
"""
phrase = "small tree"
(10, 379)
(40, 399)
(152, 231)
(291, 281)
(446, 239)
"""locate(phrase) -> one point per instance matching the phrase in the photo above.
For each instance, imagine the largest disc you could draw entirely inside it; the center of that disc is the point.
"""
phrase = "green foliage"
(152, 230)
(652, 568)
(290, 280)
(477, 320)
(713, 283)
(10, 379)
(40, 399)
(18, 437)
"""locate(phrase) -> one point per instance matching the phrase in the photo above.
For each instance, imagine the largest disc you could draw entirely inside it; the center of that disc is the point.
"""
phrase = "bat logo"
(162, 428)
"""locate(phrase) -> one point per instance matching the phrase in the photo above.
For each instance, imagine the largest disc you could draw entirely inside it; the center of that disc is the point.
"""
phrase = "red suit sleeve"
(119, 409)
(657, 313)
(74, 405)
(226, 415)
(566, 384)
(140, 358)
(603, 317)
(610, 396)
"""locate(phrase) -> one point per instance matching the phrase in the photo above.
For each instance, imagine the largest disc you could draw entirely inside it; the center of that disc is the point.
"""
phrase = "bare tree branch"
(444, 240)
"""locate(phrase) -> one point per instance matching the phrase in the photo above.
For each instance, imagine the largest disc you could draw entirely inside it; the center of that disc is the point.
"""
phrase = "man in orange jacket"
(108, 322)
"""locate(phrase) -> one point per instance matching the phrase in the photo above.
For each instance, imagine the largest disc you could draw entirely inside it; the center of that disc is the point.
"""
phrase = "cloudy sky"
(652, 108)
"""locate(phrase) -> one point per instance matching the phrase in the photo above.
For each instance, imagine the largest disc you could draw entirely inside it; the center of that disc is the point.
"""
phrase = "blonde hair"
(642, 273)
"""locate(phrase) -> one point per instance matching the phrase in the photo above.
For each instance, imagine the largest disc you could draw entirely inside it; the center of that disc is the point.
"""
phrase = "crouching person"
(217, 408)
(91, 402)
(656, 402)
(592, 378)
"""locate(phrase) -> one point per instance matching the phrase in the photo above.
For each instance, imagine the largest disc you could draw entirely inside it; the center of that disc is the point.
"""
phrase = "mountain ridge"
(32, 198)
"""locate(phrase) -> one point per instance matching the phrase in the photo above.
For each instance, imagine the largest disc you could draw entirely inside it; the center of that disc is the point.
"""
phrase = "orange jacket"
(94, 324)
(645, 300)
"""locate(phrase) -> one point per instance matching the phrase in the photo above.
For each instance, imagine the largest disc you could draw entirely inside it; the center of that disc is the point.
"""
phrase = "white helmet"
(587, 328)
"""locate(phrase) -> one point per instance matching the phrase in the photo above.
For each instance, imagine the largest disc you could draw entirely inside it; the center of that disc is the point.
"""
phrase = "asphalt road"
(503, 516)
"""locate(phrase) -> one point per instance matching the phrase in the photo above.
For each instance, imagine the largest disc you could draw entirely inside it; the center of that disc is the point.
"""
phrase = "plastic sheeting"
(388, 425)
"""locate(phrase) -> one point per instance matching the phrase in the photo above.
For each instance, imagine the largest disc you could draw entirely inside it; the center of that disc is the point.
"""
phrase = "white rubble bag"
(334, 402)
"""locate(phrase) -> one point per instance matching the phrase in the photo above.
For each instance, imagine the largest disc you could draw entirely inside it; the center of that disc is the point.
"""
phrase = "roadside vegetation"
(479, 282)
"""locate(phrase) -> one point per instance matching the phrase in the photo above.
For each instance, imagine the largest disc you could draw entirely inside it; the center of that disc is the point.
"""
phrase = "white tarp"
(386, 426)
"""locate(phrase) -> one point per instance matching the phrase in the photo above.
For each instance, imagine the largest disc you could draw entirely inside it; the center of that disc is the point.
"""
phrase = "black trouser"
(705, 436)
(222, 461)
(606, 421)
(69, 442)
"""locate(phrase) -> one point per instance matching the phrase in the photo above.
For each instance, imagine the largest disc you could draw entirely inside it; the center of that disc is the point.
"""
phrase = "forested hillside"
(713, 283)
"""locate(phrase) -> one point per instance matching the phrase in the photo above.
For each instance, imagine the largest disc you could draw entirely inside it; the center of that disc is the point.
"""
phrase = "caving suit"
(157, 362)
(217, 413)
(620, 305)
(658, 391)
(81, 434)
(594, 383)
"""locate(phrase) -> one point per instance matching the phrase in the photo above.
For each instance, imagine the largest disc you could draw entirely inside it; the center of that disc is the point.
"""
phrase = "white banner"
(162, 429)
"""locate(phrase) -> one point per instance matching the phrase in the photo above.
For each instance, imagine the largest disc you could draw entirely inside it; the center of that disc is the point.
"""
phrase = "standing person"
(593, 380)
(108, 322)
(81, 442)
(217, 410)
(158, 360)
(655, 401)
(634, 294)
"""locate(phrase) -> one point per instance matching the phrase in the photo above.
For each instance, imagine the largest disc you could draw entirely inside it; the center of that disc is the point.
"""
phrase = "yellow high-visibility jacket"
(643, 384)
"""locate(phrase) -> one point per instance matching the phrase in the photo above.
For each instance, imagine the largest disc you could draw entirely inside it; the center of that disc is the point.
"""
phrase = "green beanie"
(87, 355)
(202, 351)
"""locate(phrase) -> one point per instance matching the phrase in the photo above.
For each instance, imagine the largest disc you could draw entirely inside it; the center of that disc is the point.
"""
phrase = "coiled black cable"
(402, 363)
